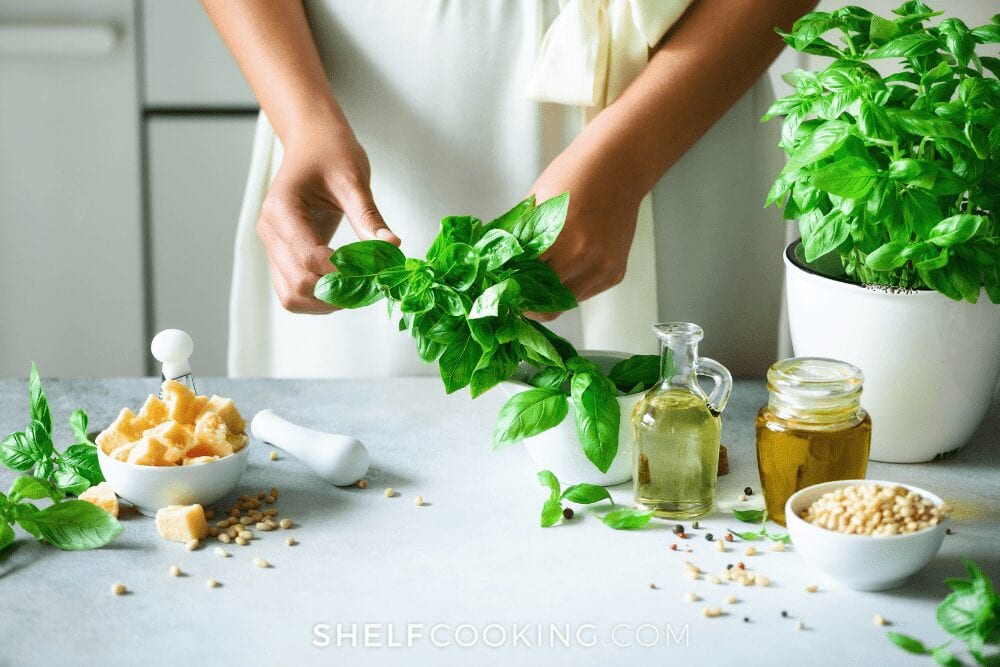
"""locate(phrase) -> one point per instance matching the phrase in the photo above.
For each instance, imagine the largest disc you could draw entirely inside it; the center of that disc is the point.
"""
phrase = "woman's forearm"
(274, 47)
(715, 53)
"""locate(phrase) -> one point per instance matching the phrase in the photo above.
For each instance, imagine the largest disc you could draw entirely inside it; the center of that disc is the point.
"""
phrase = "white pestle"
(339, 459)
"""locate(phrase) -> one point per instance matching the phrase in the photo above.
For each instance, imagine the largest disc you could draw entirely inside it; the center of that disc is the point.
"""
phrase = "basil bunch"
(464, 305)
(899, 175)
(66, 524)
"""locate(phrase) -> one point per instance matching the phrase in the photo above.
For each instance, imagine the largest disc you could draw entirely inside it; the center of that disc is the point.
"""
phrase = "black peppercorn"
(746, 619)
(708, 536)
(784, 614)
(695, 525)
(729, 566)
(678, 529)
(568, 513)
(748, 491)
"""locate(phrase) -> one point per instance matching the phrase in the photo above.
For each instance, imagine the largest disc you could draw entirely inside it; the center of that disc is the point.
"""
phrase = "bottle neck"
(678, 356)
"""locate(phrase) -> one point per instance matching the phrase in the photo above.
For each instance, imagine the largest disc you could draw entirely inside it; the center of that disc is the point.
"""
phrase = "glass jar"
(813, 428)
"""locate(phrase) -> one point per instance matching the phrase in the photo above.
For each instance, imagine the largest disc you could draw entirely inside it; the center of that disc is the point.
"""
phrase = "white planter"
(558, 449)
(930, 363)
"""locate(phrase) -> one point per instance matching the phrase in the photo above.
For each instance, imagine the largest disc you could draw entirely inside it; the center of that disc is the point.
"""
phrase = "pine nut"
(224, 538)
(260, 562)
(750, 550)
(290, 541)
(192, 545)
(118, 589)
(731, 599)
(879, 619)
(390, 492)
(240, 541)
(285, 523)
(212, 583)
(691, 597)
(246, 535)
(274, 455)
(418, 501)
(221, 553)
(812, 588)
(175, 571)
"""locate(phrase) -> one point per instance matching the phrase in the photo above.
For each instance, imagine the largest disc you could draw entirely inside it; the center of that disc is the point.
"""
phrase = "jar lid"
(821, 387)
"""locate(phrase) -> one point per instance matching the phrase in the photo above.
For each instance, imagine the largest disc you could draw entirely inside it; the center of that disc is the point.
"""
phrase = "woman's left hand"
(591, 253)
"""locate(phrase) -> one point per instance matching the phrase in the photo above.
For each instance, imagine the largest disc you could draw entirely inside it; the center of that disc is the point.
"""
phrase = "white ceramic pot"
(930, 363)
(558, 449)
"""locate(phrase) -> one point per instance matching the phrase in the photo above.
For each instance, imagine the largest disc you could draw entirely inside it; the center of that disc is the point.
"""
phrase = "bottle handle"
(723, 382)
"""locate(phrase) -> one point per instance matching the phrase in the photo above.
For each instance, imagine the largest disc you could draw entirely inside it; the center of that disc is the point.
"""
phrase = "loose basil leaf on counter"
(640, 370)
(40, 411)
(750, 537)
(597, 417)
(551, 512)
(71, 525)
(749, 516)
(907, 643)
(586, 494)
(548, 480)
(529, 413)
(32, 488)
(627, 518)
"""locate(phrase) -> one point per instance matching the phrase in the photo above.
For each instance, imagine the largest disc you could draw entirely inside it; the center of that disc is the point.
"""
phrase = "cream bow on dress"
(592, 51)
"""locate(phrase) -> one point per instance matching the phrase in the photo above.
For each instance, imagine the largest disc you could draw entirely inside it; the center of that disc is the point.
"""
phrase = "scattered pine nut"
(712, 579)
(799, 625)
(221, 553)
(812, 588)
(261, 526)
(246, 535)
(213, 531)
(274, 491)
(879, 619)
(245, 521)
(224, 538)
(390, 492)
(270, 511)
(175, 571)
(418, 501)
(731, 599)
(212, 583)
(361, 484)
(285, 523)
(762, 581)
(241, 541)
(720, 546)
(711, 612)
(778, 546)
(260, 562)
(290, 541)
(118, 589)
(274, 455)
(742, 497)
(691, 597)
(750, 550)
(192, 545)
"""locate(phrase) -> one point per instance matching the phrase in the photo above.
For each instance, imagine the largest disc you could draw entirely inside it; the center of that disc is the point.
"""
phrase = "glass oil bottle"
(676, 428)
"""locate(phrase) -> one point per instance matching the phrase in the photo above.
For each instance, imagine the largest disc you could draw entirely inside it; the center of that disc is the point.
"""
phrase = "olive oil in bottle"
(676, 428)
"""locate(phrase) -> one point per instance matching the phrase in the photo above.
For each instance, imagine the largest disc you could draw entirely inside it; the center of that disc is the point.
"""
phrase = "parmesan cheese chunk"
(181, 523)
(103, 496)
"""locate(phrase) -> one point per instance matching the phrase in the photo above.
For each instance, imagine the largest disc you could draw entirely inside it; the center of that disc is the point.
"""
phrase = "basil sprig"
(465, 303)
(753, 516)
(899, 175)
(581, 494)
(65, 524)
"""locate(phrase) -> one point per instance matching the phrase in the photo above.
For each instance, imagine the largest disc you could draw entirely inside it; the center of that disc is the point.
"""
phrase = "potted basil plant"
(464, 304)
(895, 183)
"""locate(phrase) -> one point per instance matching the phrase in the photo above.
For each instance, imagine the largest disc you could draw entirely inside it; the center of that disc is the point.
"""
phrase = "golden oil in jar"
(813, 428)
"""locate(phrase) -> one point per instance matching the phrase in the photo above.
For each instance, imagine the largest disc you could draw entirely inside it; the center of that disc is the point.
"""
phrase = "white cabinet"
(71, 280)
(197, 172)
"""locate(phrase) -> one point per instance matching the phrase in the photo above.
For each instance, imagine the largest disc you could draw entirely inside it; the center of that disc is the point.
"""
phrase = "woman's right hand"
(325, 174)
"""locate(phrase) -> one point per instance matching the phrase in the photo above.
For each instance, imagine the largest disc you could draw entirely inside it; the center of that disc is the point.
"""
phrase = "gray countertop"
(471, 563)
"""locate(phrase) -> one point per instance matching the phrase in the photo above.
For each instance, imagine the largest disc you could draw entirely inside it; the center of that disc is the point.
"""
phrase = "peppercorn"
(654, 587)
(741, 565)
(748, 491)
(729, 566)
(708, 536)
(784, 614)
(678, 529)
(948, 531)
(695, 525)
(568, 513)
(682, 535)
(673, 547)
(729, 537)
(746, 619)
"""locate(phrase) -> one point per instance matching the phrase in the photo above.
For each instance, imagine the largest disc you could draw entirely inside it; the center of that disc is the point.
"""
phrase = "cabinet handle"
(57, 40)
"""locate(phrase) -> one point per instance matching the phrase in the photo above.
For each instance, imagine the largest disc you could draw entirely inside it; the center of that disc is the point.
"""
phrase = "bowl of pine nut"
(866, 535)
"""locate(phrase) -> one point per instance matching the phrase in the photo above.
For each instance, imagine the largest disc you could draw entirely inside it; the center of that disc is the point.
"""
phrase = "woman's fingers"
(364, 216)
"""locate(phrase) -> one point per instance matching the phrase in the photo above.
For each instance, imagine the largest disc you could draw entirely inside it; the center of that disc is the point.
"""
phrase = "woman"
(394, 113)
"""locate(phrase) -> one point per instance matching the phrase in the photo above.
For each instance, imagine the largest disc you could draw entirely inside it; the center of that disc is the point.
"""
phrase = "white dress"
(435, 91)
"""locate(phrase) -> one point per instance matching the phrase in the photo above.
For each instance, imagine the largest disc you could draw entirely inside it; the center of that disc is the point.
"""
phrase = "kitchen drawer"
(197, 173)
(186, 63)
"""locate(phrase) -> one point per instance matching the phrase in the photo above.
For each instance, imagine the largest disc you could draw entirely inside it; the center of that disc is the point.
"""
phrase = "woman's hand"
(591, 253)
(325, 174)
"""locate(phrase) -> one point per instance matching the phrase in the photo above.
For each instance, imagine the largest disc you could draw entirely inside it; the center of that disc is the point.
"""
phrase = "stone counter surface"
(471, 566)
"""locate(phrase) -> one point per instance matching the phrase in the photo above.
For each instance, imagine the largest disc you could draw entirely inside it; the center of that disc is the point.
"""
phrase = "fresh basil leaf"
(957, 39)
(906, 46)
(40, 411)
(428, 349)
(540, 288)
(851, 177)
(493, 368)
(907, 643)
(749, 516)
(551, 377)
(956, 229)
(563, 347)
(538, 229)
(488, 303)
(586, 494)
(78, 422)
(597, 418)
(418, 297)
(537, 347)
(823, 234)
(529, 413)
(579, 364)
(920, 211)
(457, 266)
(551, 512)
(72, 525)
(41, 440)
(18, 452)
(69, 480)
(459, 361)
(549, 480)
(943, 656)
(886, 257)
(497, 247)
(638, 370)
(507, 221)
(748, 536)
(6, 535)
(627, 518)
(454, 229)
(826, 139)
(32, 488)
(393, 280)
(353, 284)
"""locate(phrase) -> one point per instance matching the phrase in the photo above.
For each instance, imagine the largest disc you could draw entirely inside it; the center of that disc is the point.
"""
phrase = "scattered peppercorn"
(746, 619)
(362, 484)
(948, 531)
(673, 547)
(784, 614)
(695, 525)
(654, 587)
(568, 513)
(678, 529)
(729, 566)
(708, 536)
(748, 491)
(682, 535)
(729, 537)
(741, 565)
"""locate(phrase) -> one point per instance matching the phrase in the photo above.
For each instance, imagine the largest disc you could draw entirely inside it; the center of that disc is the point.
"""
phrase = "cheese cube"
(125, 428)
(177, 438)
(149, 452)
(121, 453)
(210, 434)
(199, 460)
(153, 411)
(226, 409)
(182, 404)
(181, 523)
(103, 496)
(237, 441)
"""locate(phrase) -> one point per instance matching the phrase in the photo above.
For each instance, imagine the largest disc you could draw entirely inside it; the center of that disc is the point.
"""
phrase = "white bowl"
(861, 562)
(151, 487)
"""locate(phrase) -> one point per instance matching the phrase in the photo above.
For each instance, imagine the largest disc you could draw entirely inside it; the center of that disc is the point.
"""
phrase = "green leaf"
(943, 656)
(528, 413)
(906, 46)
(886, 257)
(586, 494)
(882, 31)
(353, 284)
(72, 525)
(18, 453)
(78, 423)
(821, 235)
(852, 177)
(459, 361)
(627, 518)
(541, 289)
(454, 229)
(639, 369)
(551, 377)
(549, 480)
(551, 512)
(920, 211)
(6, 535)
(957, 39)
(919, 173)
(987, 34)
(510, 218)
(956, 229)
(597, 417)
(826, 139)
(538, 229)
(41, 439)
(69, 480)
(488, 303)
(873, 122)
(493, 368)
(537, 347)
(457, 266)
(749, 537)
(497, 247)
(83, 458)
(32, 488)
(40, 411)
(750, 516)
(907, 643)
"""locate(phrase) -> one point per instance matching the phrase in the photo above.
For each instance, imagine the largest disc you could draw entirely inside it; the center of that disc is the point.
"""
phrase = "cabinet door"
(197, 171)
(71, 285)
